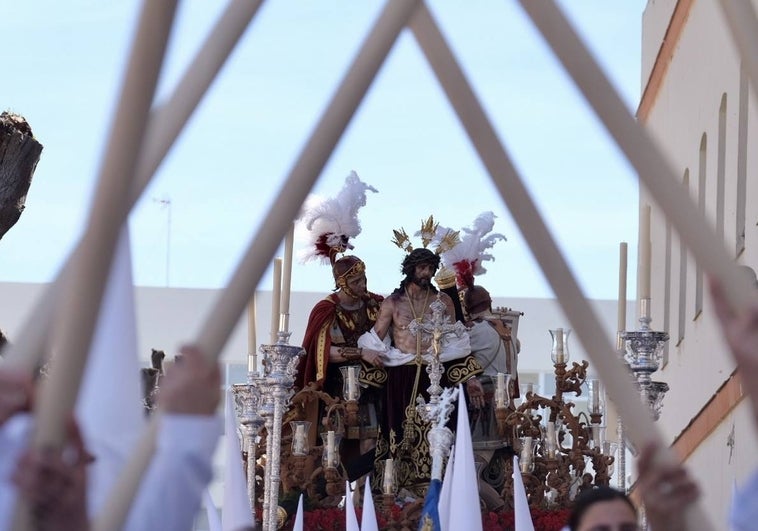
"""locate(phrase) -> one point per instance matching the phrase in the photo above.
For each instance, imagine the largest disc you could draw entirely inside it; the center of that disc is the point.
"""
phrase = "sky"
(226, 169)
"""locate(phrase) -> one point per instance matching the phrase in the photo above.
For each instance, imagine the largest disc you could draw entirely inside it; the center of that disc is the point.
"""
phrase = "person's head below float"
(419, 268)
(603, 509)
(350, 277)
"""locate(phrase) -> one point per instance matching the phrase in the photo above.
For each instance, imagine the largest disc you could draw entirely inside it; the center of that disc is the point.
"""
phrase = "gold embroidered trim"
(461, 371)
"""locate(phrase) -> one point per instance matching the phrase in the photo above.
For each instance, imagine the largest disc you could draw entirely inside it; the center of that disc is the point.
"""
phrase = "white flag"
(351, 520)
(520, 503)
(109, 407)
(368, 520)
(299, 516)
(237, 513)
(464, 507)
(446, 494)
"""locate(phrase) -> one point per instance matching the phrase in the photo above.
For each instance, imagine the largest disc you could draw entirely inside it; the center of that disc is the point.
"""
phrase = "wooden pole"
(301, 179)
(167, 121)
(615, 376)
(653, 168)
(164, 126)
(80, 296)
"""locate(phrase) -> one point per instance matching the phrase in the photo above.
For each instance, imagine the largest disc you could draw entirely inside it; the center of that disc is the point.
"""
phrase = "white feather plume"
(475, 241)
(332, 221)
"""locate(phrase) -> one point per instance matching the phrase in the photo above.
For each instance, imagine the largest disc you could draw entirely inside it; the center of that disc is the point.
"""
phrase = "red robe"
(318, 341)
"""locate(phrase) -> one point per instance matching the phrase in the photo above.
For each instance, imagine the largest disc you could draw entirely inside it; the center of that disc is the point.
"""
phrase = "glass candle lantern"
(559, 351)
(551, 442)
(351, 389)
(388, 479)
(300, 428)
(331, 442)
(526, 456)
(596, 403)
(502, 384)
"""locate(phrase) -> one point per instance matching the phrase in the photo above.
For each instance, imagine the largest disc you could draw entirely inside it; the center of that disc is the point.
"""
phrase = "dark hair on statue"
(417, 257)
(590, 497)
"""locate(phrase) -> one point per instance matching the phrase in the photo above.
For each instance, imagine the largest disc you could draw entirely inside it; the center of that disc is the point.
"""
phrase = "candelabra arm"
(621, 479)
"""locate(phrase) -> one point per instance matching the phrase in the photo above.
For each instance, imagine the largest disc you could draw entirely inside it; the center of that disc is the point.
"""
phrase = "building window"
(701, 174)
(683, 272)
(667, 292)
(741, 163)
(721, 169)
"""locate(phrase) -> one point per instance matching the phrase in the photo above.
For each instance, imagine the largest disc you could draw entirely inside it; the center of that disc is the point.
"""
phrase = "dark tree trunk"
(19, 154)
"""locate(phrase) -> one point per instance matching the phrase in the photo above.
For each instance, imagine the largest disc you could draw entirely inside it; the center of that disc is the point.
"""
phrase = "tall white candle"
(622, 287)
(352, 387)
(594, 396)
(389, 476)
(330, 453)
(500, 390)
(276, 294)
(287, 278)
(526, 455)
(299, 448)
(551, 442)
(644, 253)
(252, 359)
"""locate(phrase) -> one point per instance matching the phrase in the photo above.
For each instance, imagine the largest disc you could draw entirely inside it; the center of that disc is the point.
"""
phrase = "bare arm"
(449, 307)
(384, 321)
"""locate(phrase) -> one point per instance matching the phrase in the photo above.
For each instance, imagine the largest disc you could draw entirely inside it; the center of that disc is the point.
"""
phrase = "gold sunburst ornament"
(402, 240)
(430, 232)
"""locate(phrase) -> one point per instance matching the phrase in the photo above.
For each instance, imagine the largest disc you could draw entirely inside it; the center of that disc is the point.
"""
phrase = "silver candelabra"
(247, 399)
(642, 351)
(279, 370)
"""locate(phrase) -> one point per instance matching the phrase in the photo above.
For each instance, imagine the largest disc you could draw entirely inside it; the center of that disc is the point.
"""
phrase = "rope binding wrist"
(351, 353)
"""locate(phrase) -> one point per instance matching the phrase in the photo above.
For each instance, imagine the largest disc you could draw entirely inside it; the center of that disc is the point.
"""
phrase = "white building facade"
(697, 102)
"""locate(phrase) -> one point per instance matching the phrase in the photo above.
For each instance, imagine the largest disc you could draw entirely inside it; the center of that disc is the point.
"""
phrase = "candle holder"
(644, 350)
(331, 445)
(266, 410)
(247, 398)
(351, 392)
(300, 428)
(596, 402)
(559, 351)
(502, 396)
(526, 455)
(389, 483)
(280, 367)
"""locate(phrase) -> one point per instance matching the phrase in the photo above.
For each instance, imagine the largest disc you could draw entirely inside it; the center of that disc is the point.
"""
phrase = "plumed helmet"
(417, 257)
(345, 267)
(477, 299)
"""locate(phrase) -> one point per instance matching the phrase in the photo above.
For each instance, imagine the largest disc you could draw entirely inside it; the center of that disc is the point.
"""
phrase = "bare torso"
(400, 309)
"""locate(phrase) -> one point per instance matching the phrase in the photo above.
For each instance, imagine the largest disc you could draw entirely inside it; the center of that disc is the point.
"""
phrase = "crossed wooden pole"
(71, 305)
